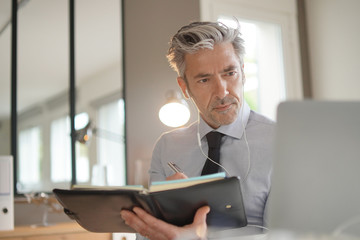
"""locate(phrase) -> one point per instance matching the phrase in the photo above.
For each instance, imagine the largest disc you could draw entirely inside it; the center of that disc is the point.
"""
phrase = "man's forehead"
(230, 67)
(205, 70)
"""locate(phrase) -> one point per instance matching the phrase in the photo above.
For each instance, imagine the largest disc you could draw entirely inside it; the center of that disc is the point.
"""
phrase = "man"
(208, 58)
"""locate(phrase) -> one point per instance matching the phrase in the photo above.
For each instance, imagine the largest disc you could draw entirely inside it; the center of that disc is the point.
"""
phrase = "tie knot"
(214, 139)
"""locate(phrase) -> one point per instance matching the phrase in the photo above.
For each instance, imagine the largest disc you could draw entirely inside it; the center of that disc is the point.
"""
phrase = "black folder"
(98, 210)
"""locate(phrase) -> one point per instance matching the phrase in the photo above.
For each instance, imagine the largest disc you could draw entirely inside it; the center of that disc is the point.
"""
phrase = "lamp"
(102, 168)
(84, 134)
(175, 112)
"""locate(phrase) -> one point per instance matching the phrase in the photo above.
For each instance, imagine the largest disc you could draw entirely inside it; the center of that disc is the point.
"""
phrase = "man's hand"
(155, 229)
(175, 176)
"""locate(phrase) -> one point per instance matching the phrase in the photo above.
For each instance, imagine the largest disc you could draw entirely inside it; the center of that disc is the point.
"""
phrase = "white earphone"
(187, 93)
(244, 179)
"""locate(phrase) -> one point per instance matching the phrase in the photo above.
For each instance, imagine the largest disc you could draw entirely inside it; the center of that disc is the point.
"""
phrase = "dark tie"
(214, 141)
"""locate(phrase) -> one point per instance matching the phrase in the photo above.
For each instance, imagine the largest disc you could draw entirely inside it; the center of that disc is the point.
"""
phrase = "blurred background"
(296, 49)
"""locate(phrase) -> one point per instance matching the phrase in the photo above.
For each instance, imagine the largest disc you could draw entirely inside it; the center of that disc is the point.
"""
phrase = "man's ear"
(243, 75)
(182, 84)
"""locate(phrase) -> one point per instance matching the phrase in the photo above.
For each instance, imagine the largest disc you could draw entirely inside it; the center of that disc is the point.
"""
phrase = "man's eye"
(231, 73)
(204, 80)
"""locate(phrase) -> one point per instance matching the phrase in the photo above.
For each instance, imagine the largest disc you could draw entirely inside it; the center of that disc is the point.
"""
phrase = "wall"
(149, 26)
(334, 48)
(5, 134)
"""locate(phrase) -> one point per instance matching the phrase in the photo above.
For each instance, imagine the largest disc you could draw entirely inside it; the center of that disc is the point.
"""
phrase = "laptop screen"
(316, 178)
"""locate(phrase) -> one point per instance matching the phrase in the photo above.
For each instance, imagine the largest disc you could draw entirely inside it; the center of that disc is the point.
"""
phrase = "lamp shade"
(175, 112)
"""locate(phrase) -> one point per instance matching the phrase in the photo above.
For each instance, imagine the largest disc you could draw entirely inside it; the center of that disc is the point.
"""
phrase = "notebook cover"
(99, 210)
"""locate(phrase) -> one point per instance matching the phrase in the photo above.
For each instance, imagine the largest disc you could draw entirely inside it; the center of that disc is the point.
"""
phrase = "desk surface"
(70, 228)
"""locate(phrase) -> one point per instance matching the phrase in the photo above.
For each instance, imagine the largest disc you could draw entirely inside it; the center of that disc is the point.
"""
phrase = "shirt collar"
(234, 129)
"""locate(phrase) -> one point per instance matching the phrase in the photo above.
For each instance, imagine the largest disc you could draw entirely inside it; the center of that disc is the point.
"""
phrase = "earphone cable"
(242, 180)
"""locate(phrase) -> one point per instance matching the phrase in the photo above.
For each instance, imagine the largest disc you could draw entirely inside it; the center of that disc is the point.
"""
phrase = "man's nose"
(220, 88)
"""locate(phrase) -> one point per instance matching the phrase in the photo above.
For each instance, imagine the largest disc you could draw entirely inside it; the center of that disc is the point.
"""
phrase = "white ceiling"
(43, 47)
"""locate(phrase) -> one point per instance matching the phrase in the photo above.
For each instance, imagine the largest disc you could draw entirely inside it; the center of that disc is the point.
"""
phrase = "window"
(45, 147)
(265, 86)
(272, 60)
(110, 167)
(45, 166)
(30, 157)
(82, 151)
(61, 153)
(60, 150)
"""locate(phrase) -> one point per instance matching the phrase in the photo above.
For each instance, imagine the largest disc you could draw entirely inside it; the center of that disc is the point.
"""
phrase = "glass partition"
(43, 141)
(42, 90)
(99, 92)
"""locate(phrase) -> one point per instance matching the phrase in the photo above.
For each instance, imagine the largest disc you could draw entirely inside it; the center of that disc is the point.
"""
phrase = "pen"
(174, 167)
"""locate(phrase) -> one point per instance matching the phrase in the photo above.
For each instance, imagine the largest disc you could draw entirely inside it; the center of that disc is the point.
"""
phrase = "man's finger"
(154, 228)
(199, 223)
(176, 176)
(136, 222)
(155, 224)
(131, 219)
(200, 215)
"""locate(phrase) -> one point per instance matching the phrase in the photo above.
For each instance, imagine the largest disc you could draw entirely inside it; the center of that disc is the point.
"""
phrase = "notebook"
(97, 209)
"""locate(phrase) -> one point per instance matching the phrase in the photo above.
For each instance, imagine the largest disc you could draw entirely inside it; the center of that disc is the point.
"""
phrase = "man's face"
(214, 83)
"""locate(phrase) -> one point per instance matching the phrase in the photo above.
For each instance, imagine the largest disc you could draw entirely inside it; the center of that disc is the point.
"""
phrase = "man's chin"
(226, 119)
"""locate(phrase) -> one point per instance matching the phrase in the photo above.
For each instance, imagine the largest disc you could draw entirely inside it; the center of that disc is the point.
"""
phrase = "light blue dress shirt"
(181, 147)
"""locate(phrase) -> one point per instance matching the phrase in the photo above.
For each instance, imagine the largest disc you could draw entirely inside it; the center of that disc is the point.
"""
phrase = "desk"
(60, 231)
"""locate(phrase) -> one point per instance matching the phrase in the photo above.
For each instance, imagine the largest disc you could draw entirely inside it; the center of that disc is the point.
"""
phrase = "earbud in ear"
(187, 93)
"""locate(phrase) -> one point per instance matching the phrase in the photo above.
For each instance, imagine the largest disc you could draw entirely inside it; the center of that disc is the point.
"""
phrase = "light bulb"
(174, 114)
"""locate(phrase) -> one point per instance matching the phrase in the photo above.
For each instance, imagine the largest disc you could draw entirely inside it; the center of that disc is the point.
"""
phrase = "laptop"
(316, 177)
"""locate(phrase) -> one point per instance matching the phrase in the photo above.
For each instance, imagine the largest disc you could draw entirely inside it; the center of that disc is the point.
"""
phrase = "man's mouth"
(223, 108)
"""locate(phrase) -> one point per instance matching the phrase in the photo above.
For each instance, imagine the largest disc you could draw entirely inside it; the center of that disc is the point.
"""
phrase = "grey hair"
(198, 35)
